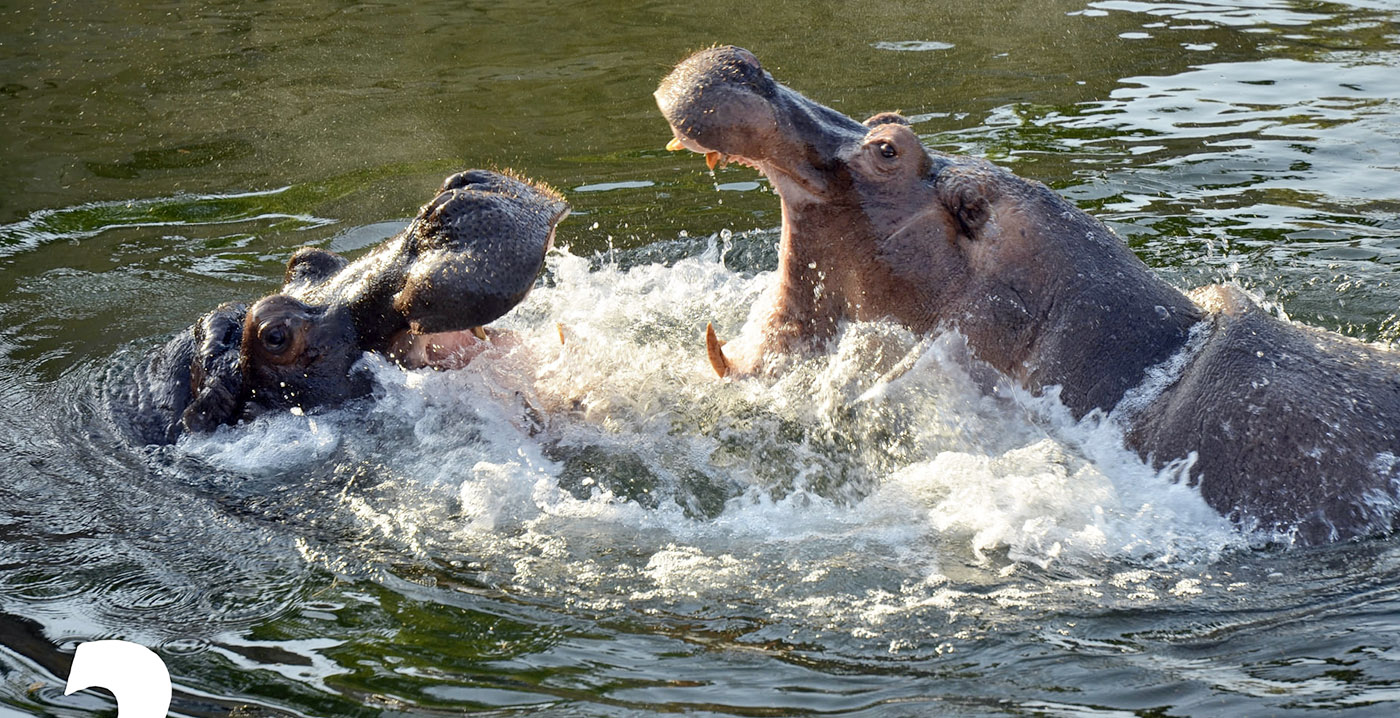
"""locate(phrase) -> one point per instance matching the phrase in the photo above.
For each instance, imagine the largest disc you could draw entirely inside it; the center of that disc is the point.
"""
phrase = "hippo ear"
(972, 213)
(216, 371)
(966, 192)
(886, 118)
(312, 265)
(476, 251)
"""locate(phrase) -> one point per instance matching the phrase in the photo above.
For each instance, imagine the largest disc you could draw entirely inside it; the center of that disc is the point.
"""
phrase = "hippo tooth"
(714, 158)
(559, 326)
(479, 333)
(675, 145)
(714, 348)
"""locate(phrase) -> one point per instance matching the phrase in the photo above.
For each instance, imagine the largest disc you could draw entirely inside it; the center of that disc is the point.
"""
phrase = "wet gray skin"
(1289, 429)
(467, 259)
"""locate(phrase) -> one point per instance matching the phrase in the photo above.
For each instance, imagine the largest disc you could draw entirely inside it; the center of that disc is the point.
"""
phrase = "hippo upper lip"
(789, 183)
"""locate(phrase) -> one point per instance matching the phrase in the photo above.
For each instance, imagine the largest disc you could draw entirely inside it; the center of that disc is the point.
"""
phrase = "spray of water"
(856, 486)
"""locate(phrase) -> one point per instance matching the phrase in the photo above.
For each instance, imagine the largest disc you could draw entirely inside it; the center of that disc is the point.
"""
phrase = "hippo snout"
(475, 250)
(722, 100)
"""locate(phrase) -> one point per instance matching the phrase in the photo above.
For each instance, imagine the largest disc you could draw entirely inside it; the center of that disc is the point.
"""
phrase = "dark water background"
(421, 554)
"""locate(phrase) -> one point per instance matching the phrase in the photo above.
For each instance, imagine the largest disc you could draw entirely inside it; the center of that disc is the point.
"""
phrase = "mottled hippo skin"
(470, 255)
(1292, 429)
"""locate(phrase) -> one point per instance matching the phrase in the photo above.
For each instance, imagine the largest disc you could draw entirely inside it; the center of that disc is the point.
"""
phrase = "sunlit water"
(599, 526)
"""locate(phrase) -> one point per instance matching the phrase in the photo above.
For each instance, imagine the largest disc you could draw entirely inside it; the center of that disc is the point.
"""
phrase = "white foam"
(272, 443)
(841, 491)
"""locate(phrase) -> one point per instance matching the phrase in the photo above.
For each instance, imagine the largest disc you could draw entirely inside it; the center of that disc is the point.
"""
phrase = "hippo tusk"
(712, 158)
(713, 348)
(559, 326)
(480, 333)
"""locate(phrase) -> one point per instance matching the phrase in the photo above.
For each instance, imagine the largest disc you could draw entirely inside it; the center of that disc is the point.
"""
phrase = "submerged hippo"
(421, 297)
(1289, 429)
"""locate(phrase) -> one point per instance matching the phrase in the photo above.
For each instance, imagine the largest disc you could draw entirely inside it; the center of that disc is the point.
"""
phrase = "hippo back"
(1293, 428)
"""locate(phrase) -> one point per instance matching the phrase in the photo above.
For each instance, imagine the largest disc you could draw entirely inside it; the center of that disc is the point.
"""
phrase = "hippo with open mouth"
(1286, 428)
(420, 298)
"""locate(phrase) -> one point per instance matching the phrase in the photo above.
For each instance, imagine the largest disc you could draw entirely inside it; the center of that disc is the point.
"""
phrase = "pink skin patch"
(443, 350)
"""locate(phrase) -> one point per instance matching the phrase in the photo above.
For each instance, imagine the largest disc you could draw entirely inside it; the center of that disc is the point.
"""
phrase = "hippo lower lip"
(792, 186)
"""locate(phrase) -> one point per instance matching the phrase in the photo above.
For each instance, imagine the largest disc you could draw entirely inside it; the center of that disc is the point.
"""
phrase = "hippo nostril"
(747, 58)
(437, 202)
(741, 66)
(467, 179)
(456, 181)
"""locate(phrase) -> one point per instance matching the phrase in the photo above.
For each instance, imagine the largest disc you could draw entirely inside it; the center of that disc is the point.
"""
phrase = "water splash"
(852, 491)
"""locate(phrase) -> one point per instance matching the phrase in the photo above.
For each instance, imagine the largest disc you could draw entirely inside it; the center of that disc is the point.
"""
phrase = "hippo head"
(468, 258)
(882, 226)
(722, 103)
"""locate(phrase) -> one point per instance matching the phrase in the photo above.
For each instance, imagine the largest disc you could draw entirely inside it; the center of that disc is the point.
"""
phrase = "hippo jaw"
(469, 257)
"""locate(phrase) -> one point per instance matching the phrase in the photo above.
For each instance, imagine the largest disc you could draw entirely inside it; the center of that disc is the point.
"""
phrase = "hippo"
(420, 298)
(1287, 430)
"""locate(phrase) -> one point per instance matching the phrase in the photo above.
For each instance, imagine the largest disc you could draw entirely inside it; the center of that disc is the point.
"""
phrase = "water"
(600, 527)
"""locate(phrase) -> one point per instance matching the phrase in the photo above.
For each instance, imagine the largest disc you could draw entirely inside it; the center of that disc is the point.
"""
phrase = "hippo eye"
(887, 150)
(275, 338)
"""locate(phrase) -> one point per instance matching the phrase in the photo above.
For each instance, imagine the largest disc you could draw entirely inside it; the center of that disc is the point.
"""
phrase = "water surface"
(600, 527)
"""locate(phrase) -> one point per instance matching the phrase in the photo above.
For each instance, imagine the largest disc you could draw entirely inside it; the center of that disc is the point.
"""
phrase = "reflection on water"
(599, 527)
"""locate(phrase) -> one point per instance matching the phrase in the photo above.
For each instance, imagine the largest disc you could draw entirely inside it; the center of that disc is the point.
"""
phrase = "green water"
(428, 557)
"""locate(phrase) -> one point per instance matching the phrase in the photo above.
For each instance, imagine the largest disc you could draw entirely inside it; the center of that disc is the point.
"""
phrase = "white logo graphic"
(133, 673)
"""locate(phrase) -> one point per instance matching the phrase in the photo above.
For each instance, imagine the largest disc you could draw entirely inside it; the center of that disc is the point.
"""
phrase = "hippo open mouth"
(723, 104)
(877, 226)
(422, 297)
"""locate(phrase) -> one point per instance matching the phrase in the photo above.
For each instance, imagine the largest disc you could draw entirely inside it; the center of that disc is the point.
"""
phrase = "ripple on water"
(913, 45)
(140, 590)
(36, 584)
(184, 646)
